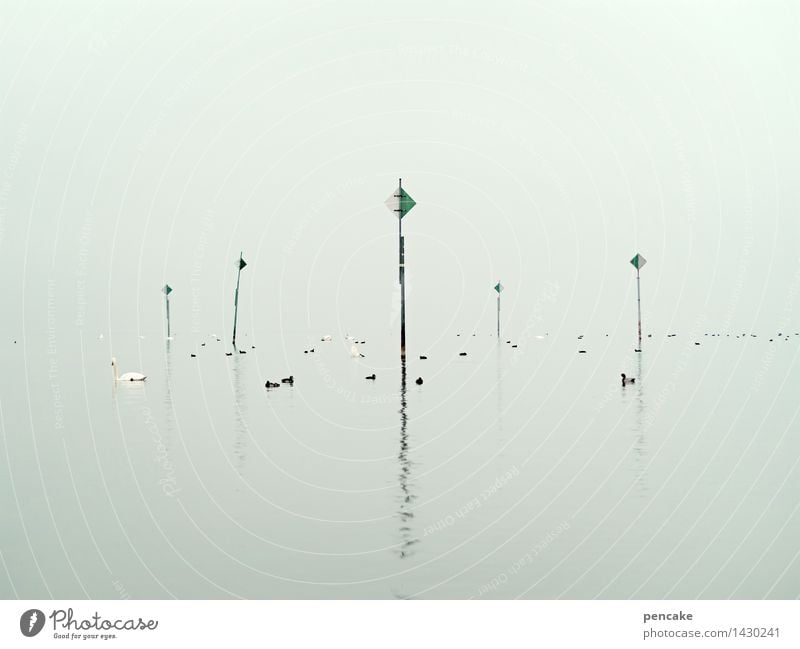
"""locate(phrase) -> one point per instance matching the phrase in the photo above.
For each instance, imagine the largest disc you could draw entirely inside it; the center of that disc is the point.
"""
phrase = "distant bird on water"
(626, 380)
(355, 353)
(289, 380)
(371, 377)
(128, 376)
(419, 380)
(270, 384)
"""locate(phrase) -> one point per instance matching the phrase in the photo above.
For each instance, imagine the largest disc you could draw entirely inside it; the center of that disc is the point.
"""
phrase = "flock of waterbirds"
(355, 352)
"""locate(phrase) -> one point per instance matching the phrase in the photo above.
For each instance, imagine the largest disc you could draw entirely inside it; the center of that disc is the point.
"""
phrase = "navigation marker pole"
(638, 262)
(242, 264)
(166, 291)
(401, 203)
(499, 288)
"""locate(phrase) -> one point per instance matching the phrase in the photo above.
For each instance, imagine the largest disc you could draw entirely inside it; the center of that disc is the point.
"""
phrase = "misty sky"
(545, 144)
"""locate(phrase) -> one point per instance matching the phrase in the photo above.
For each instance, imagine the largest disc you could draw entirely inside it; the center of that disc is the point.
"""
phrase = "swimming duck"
(419, 380)
(289, 379)
(270, 384)
(371, 377)
(626, 380)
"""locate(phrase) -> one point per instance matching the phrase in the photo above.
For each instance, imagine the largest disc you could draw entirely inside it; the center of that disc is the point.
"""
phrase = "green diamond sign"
(167, 289)
(400, 202)
(498, 287)
(638, 261)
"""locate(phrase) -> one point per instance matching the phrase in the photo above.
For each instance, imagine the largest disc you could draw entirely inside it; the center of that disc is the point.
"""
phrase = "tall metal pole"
(236, 299)
(402, 269)
(166, 291)
(639, 305)
(499, 288)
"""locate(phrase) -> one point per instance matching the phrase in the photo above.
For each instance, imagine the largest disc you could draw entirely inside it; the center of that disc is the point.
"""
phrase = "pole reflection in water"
(239, 417)
(406, 514)
(501, 437)
(640, 442)
(169, 409)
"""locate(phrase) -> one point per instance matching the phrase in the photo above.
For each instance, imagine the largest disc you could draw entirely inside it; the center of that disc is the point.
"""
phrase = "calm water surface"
(527, 472)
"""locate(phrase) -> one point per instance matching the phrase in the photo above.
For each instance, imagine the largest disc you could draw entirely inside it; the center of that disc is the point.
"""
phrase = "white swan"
(355, 353)
(326, 338)
(128, 376)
